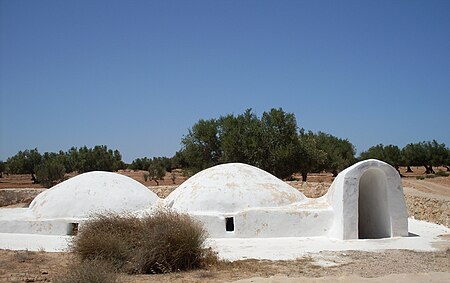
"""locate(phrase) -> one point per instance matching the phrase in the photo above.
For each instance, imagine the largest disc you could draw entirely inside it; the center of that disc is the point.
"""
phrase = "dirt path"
(426, 188)
(25, 266)
(437, 277)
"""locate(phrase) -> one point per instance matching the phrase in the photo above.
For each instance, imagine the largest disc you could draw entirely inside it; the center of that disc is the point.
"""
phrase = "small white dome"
(93, 192)
(230, 188)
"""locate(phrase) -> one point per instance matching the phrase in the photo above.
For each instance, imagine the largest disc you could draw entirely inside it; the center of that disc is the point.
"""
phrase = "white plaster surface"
(263, 206)
(232, 187)
(53, 211)
(34, 242)
(270, 217)
(427, 239)
(292, 248)
(343, 196)
(92, 192)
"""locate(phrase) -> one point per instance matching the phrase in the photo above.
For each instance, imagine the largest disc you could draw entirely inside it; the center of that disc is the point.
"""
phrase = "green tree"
(99, 158)
(156, 171)
(340, 153)
(118, 164)
(179, 160)
(241, 139)
(201, 146)
(165, 162)
(72, 159)
(393, 156)
(447, 163)
(308, 156)
(390, 154)
(51, 170)
(280, 140)
(268, 143)
(437, 154)
(414, 154)
(426, 154)
(24, 162)
(2, 168)
(374, 152)
(140, 163)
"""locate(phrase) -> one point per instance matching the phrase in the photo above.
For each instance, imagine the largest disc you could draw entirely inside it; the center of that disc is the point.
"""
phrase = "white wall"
(269, 222)
(366, 200)
(384, 207)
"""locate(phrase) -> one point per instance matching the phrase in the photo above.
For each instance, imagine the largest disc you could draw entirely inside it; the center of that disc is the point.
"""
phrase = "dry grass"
(93, 271)
(159, 243)
(108, 237)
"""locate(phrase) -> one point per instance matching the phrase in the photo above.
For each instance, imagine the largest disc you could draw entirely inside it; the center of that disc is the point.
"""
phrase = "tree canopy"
(51, 167)
(426, 154)
(272, 142)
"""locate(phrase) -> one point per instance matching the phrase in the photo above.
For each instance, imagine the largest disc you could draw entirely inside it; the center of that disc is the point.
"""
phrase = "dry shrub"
(92, 270)
(163, 242)
(109, 237)
(170, 242)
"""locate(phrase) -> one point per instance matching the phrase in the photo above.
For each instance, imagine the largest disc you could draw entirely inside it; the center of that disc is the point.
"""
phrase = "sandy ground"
(410, 266)
(349, 266)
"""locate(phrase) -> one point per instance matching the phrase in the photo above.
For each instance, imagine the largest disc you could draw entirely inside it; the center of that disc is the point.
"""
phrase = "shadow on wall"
(373, 211)
(368, 202)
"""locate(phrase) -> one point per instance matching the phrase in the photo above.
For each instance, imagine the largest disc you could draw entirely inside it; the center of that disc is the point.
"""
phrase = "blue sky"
(135, 75)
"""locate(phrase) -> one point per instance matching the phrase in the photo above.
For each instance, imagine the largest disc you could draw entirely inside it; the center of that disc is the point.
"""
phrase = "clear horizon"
(135, 75)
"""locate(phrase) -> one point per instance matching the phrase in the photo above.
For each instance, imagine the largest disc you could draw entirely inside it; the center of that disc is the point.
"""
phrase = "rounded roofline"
(232, 187)
(92, 192)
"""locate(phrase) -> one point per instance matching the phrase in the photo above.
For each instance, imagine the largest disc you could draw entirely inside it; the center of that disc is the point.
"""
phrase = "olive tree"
(340, 153)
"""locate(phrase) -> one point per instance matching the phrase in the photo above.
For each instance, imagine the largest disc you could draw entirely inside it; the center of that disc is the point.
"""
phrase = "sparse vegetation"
(441, 173)
(94, 271)
(162, 242)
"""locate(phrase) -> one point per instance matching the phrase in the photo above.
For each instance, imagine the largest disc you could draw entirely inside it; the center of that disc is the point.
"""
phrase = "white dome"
(93, 192)
(230, 188)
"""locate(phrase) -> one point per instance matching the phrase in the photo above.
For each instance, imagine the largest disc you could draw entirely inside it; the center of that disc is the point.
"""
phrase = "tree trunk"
(408, 169)
(448, 168)
(33, 178)
(429, 169)
(398, 171)
(156, 180)
(304, 176)
(334, 172)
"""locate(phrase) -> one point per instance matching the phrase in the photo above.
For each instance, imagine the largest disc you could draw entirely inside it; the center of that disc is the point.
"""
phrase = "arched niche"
(374, 220)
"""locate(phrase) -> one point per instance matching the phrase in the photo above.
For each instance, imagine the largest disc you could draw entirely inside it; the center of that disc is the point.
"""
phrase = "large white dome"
(93, 192)
(232, 187)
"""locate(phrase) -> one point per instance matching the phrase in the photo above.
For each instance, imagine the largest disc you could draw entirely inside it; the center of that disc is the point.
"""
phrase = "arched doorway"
(373, 210)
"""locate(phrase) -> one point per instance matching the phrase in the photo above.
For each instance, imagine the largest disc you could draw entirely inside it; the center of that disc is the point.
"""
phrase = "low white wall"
(266, 223)
(59, 227)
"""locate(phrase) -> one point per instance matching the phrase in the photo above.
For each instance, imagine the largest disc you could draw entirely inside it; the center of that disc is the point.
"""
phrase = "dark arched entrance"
(373, 210)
